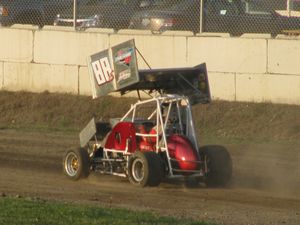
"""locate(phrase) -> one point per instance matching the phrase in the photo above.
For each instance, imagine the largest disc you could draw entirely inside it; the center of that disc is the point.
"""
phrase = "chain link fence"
(227, 16)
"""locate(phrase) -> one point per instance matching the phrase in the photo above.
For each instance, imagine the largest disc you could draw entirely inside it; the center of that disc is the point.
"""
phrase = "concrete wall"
(250, 68)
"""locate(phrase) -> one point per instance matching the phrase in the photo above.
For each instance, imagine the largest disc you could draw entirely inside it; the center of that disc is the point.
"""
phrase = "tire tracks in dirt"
(30, 165)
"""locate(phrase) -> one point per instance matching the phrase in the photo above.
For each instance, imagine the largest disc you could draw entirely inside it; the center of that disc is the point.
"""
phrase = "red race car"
(156, 138)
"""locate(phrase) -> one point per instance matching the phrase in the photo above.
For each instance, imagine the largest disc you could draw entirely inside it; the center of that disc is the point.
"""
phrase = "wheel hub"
(71, 164)
(138, 170)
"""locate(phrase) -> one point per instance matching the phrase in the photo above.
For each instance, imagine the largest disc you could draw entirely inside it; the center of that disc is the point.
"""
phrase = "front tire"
(76, 164)
(145, 169)
(218, 165)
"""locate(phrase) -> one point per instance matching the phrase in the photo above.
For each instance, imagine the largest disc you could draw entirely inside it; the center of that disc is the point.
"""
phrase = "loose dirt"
(263, 140)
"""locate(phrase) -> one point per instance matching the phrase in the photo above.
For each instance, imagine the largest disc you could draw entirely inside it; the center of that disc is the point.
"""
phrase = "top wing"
(116, 69)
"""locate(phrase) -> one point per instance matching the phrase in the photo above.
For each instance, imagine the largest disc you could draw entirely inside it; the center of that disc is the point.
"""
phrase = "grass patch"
(214, 138)
(42, 128)
(25, 211)
(220, 120)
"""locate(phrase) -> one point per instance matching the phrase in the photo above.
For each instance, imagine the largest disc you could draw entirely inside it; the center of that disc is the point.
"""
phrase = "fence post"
(288, 7)
(201, 16)
(74, 13)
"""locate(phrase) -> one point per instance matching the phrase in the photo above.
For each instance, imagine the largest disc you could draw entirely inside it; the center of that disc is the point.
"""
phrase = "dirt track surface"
(265, 187)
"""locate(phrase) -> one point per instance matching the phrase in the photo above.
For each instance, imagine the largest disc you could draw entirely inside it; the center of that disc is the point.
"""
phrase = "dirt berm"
(263, 140)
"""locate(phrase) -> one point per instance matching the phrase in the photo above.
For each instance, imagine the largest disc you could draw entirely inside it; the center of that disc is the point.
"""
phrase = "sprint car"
(156, 138)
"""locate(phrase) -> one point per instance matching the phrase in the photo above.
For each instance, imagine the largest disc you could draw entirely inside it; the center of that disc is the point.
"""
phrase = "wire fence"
(227, 16)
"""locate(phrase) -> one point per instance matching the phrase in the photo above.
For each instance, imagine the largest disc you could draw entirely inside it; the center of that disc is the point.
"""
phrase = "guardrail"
(254, 67)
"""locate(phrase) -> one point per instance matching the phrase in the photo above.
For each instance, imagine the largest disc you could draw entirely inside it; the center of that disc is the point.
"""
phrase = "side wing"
(113, 69)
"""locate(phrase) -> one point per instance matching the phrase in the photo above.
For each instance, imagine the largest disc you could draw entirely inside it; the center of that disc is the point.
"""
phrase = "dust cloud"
(271, 167)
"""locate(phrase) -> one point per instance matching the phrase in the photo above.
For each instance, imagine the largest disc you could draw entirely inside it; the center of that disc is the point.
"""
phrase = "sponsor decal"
(125, 74)
(123, 56)
(102, 71)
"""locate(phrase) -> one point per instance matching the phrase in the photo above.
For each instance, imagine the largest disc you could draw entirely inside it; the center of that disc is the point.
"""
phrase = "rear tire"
(76, 164)
(219, 165)
(145, 169)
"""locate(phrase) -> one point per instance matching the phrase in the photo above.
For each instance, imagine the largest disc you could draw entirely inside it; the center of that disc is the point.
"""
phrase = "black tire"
(219, 165)
(76, 164)
(145, 169)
